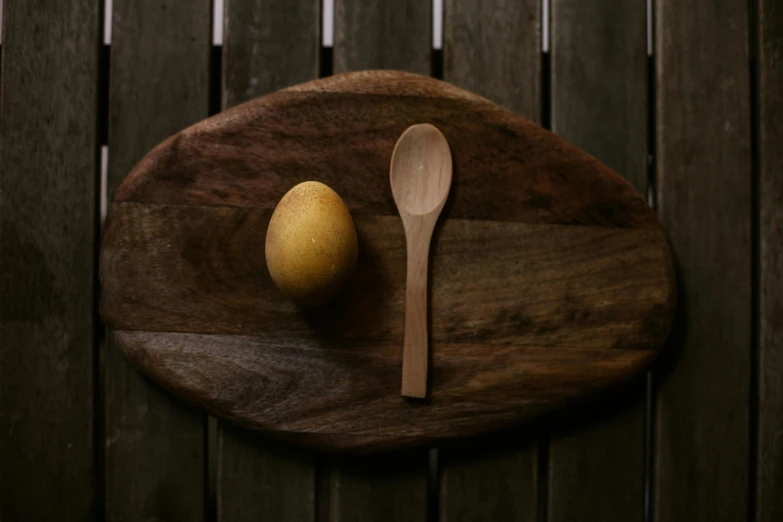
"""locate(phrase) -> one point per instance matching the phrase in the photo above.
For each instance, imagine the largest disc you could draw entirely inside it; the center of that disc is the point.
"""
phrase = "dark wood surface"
(599, 103)
(491, 479)
(172, 268)
(268, 45)
(56, 51)
(377, 34)
(494, 49)
(598, 279)
(387, 488)
(769, 503)
(155, 446)
(704, 184)
(261, 481)
(260, 52)
(48, 169)
(51, 396)
(599, 82)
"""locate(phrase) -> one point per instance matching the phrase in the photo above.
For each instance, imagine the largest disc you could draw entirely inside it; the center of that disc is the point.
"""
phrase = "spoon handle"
(418, 233)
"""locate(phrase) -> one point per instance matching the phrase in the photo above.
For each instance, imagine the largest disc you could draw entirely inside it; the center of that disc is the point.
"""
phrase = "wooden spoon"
(420, 181)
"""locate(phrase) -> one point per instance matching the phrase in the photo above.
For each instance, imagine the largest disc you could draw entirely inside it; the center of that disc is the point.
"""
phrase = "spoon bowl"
(421, 170)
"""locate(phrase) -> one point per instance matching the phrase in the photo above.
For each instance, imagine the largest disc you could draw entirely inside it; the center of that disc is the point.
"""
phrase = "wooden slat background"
(769, 500)
(48, 167)
(704, 186)
(158, 83)
(85, 437)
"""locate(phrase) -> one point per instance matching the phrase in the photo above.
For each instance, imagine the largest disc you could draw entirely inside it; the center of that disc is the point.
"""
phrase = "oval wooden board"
(550, 277)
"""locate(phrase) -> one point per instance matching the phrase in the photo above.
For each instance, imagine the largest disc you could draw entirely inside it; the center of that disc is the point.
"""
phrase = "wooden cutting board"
(550, 277)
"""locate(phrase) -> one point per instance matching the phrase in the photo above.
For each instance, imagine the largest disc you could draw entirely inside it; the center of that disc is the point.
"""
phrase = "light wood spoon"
(420, 181)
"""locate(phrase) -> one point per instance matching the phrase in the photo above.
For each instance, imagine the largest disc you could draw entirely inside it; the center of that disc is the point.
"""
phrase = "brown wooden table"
(695, 124)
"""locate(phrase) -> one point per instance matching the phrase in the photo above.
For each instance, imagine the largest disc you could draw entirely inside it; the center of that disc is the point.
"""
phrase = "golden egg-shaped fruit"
(311, 245)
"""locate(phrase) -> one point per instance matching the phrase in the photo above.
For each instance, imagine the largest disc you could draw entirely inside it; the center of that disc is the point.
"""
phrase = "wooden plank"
(493, 49)
(599, 82)
(598, 289)
(268, 45)
(704, 202)
(259, 480)
(599, 103)
(377, 34)
(492, 478)
(388, 487)
(159, 84)
(769, 501)
(48, 168)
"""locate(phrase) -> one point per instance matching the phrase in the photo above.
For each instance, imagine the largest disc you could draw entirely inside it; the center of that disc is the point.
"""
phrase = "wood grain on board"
(159, 284)
(376, 34)
(268, 45)
(493, 48)
(704, 185)
(159, 83)
(48, 169)
(769, 502)
(172, 268)
(597, 276)
(599, 103)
